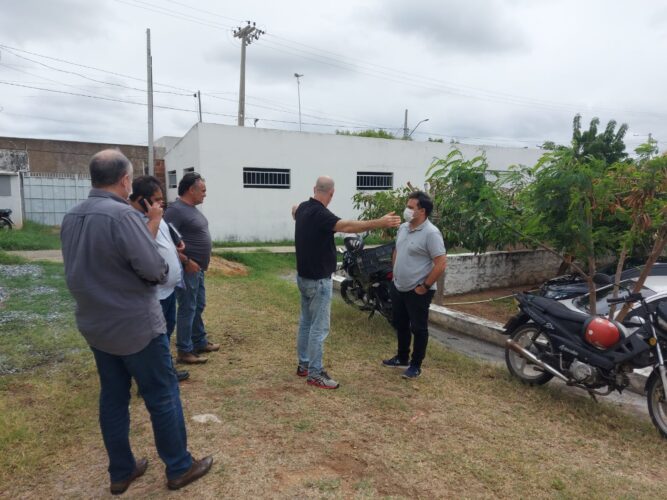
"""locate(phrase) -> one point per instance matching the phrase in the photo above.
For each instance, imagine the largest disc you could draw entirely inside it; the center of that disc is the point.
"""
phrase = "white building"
(254, 176)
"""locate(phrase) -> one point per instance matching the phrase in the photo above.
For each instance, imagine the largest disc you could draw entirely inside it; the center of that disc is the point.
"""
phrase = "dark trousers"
(169, 311)
(411, 319)
(153, 370)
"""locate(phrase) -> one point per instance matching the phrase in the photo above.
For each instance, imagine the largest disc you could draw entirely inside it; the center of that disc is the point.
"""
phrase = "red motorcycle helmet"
(601, 333)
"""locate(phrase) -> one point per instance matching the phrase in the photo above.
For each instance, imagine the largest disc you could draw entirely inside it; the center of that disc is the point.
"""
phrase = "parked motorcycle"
(369, 276)
(5, 220)
(590, 352)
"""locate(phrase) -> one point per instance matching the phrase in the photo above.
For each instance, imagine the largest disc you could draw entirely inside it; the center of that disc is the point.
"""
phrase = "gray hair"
(108, 167)
(324, 184)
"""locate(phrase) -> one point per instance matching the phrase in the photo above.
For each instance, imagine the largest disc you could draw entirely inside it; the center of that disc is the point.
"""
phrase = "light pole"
(247, 34)
(424, 120)
(298, 93)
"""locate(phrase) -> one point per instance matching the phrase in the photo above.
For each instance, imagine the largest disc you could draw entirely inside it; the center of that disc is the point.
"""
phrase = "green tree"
(608, 145)
(378, 134)
(470, 200)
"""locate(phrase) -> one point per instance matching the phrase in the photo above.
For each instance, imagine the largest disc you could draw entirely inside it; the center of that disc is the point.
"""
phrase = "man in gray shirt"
(191, 337)
(419, 260)
(112, 265)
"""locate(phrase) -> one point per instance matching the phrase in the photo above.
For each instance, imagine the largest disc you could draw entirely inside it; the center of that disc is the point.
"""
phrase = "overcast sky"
(505, 72)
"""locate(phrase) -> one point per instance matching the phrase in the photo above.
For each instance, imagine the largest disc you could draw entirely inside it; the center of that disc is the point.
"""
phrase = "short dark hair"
(145, 186)
(423, 200)
(188, 181)
(108, 167)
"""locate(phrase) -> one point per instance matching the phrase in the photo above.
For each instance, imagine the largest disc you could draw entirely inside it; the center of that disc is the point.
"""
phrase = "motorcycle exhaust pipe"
(531, 357)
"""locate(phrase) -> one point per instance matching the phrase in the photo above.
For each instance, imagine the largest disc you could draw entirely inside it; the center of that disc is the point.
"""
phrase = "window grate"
(171, 179)
(267, 178)
(375, 181)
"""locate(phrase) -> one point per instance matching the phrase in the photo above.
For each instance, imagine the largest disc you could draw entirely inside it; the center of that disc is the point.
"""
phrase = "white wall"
(13, 201)
(468, 272)
(220, 152)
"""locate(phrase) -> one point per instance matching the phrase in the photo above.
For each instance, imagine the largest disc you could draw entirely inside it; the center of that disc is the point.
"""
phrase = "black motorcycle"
(590, 352)
(369, 276)
(5, 220)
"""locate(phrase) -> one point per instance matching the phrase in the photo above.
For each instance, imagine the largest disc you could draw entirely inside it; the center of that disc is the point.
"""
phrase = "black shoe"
(182, 375)
(412, 372)
(395, 362)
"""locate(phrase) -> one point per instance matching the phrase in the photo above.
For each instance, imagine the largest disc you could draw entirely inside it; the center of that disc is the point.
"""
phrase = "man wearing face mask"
(419, 260)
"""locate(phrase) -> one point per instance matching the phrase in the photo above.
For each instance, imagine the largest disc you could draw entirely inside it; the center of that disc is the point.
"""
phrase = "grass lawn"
(32, 236)
(464, 429)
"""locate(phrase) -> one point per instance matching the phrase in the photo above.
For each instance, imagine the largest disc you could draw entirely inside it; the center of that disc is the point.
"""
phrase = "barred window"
(268, 178)
(171, 179)
(375, 181)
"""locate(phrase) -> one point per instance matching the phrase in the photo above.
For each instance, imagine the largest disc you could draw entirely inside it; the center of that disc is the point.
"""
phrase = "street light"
(424, 120)
(298, 91)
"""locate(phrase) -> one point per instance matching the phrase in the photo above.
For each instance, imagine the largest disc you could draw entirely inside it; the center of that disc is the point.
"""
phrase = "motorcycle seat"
(558, 310)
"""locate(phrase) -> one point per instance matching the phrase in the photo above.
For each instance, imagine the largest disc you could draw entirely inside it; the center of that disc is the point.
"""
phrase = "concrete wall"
(469, 272)
(13, 200)
(220, 152)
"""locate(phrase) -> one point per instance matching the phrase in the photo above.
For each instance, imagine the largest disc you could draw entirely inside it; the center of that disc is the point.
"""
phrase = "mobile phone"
(144, 205)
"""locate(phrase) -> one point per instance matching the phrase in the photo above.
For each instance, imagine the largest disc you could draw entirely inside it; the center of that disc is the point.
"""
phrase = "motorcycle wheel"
(5, 224)
(657, 405)
(352, 293)
(530, 338)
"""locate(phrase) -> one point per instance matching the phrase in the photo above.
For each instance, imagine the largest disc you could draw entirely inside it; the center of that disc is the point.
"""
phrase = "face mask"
(408, 214)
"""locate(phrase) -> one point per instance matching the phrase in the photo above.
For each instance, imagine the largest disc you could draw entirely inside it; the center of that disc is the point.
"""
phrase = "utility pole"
(198, 96)
(247, 35)
(298, 92)
(149, 59)
(405, 126)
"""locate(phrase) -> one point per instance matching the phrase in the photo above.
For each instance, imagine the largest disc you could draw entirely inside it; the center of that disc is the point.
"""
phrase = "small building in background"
(254, 175)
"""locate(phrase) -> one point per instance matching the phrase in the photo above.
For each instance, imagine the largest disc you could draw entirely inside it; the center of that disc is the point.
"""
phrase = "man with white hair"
(316, 262)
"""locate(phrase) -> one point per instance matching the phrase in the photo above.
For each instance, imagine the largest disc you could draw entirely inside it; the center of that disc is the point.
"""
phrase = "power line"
(124, 101)
(402, 77)
(89, 67)
(93, 79)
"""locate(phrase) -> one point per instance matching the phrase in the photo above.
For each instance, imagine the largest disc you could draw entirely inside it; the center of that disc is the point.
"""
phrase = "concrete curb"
(492, 332)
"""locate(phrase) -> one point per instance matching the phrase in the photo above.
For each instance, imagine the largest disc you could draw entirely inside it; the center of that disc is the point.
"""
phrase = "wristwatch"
(424, 285)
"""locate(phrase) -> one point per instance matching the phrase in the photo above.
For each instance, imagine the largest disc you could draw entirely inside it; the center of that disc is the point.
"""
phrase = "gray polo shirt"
(112, 265)
(415, 251)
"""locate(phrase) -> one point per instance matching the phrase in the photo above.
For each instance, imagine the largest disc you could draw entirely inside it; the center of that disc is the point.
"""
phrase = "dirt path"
(49, 255)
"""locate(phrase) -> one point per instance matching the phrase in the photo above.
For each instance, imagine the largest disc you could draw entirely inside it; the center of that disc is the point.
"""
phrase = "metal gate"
(47, 197)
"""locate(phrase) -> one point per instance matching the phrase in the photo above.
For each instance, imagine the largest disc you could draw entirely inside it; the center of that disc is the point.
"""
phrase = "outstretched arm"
(359, 226)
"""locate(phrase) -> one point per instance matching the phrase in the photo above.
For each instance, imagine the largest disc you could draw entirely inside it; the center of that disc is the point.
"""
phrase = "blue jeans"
(152, 368)
(190, 331)
(169, 311)
(314, 321)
